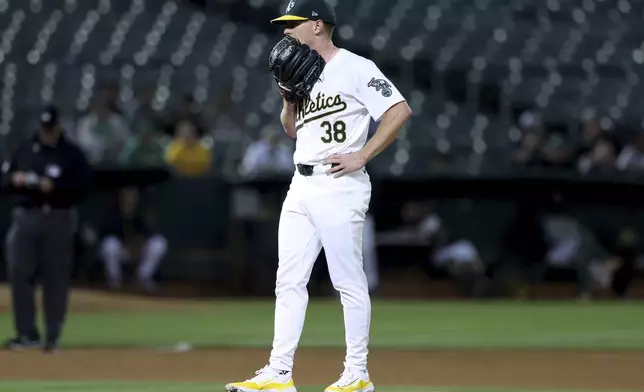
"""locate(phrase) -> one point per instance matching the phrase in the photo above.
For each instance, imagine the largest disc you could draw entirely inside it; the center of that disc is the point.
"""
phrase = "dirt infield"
(542, 370)
(503, 369)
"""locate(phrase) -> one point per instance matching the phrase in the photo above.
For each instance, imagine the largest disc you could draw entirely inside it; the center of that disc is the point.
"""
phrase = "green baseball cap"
(302, 10)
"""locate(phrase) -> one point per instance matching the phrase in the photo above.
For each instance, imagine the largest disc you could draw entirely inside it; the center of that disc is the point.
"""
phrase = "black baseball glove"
(296, 68)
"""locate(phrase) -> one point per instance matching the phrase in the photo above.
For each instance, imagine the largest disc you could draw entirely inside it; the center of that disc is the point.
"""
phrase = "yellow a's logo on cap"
(290, 6)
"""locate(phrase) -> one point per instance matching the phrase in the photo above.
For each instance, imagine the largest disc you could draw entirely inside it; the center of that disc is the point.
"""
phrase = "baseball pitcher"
(330, 95)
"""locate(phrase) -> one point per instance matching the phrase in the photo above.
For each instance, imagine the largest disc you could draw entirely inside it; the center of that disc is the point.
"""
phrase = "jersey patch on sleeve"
(382, 86)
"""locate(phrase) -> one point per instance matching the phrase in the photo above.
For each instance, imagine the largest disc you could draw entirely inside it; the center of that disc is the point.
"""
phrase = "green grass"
(449, 325)
(110, 386)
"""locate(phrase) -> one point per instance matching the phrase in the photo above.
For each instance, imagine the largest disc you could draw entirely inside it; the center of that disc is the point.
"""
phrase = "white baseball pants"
(370, 253)
(322, 211)
(113, 254)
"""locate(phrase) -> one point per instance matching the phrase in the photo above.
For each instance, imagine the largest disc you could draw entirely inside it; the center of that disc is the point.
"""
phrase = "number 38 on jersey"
(334, 132)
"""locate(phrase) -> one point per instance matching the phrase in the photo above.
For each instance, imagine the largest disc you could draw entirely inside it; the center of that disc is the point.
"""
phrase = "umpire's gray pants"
(40, 247)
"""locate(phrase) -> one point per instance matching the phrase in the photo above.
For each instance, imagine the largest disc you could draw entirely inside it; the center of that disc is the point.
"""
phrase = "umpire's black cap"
(301, 10)
(49, 116)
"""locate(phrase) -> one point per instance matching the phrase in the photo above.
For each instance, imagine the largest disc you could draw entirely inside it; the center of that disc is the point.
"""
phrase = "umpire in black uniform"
(48, 175)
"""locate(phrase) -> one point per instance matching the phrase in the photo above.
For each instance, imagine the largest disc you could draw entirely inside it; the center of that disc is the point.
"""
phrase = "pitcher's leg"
(340, 227)
(298, 248)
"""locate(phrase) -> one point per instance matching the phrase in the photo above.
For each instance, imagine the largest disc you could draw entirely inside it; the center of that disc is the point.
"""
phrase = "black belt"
(307, 170)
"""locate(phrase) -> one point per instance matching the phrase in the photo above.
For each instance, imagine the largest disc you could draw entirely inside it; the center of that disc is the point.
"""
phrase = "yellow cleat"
(352, 381)
(265, 380)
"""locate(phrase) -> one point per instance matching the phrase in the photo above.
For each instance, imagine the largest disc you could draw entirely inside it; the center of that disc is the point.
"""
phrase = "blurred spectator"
(220, 105)
(631, 158)
(186, 153)
(102, 133)
(421, 225)
(573, 245)
(143, 116)
(527, 154)
(600, 160)
(439, 162)
(187, 111)
(524, 249)
(268, 155)
(227, 131)
(591, 133)
(128, 237)
(540, 146)
(556, 151)
(456, 255)
(628, 253)
(209, 112)
(109, 93)
(143, 150)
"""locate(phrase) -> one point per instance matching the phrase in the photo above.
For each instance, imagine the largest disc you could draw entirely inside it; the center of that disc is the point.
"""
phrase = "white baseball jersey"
(336, 119)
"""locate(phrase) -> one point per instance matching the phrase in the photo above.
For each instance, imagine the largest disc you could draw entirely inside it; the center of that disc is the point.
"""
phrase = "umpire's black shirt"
(64, 164)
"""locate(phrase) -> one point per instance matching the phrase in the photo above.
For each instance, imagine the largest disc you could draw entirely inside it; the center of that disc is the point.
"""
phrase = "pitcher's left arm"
(393, 119)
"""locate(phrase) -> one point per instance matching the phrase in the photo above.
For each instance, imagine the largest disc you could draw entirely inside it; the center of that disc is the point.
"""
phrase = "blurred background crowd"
(537, 84)
(182, 139)
(496, 87)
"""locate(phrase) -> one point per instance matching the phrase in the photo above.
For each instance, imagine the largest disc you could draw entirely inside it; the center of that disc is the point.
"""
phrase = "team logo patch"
(381, 85)
(290, 6)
